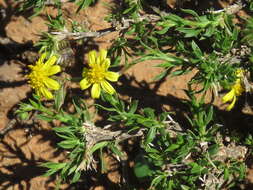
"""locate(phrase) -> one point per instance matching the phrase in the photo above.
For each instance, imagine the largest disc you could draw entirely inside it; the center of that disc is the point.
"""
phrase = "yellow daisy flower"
(98, 73)
(236, 90)
(39, 76)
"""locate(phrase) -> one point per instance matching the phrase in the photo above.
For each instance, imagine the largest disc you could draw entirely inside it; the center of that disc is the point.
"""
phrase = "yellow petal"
(232, 104)
(51, 61)
(46, 66)
(112, 76)
(46, 93)
(52, 84)
(107, 87)
(105, 63)
(239, 73)
(238, 88)
(84, 84)
(38, 92)
(95, 90)
(53, 70)
(31, 66)
(102, 55)
(85, 72)
(41, 59)
(92, 58)
(229, 96)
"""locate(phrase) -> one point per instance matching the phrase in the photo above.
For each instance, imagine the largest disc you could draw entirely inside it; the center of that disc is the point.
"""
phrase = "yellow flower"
(39, 76)
(236, 90)
(98, 73)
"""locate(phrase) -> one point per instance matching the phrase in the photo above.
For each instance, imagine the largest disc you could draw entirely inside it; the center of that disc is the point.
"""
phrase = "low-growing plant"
(173, 153)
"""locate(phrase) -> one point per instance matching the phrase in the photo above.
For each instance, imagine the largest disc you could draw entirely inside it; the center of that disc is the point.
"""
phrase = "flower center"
(36, 79)
(96, 74)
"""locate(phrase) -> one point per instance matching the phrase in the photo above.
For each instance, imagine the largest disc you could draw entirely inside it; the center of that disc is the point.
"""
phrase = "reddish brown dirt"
(23, 149)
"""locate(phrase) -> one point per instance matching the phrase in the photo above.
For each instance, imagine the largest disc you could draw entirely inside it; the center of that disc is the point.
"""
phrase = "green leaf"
(133, 106)
(196, 169)
(34, 104)
(116, 150)
(191, 12)
(142, 169)
(76, 177)
(79, 105)
(177, 73)
(103, 164)
(210, 115)
(163, 31)
(67, 136)
(64, 117)
(161, 75)
(151, 135)
(242, 171)
(129, 10)
(249, 140)
(66, 168)
(105, 108)
(226, 174)
(170, 185)
(163, 116)
(83, 4)
(50, 172)
(149, 112)
(165, 65)
(172, 147)
(98, 146)
(66, 129)
(72, 169)
(44, 117)
(157, 180)
(189, 32)
(184, 187)
(53, 165)
(209, 32)
(213, 149)
(23, 116)
(36, 97)
(68, 144)
(60, 97)
(25, 107)
(196, 50)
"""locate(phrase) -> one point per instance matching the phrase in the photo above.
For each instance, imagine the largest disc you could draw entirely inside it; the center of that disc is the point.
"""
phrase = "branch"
(232, 9)
(116, 26)
(94, 135)
(79, 35)
(12, 123)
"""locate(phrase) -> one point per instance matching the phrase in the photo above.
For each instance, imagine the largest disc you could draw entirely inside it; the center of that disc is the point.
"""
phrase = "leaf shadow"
(13, 173)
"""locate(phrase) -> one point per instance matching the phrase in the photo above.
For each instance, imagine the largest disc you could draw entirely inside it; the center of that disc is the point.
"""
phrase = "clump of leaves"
(170, 155)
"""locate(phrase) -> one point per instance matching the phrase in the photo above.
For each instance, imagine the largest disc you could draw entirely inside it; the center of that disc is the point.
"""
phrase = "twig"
(53, 2)
(232, 9)
(79, 35)
(48, 2)
(116, 26)
(8, 127)
(13, 122)
(94, 135)
(172, 127)
(125, 172)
